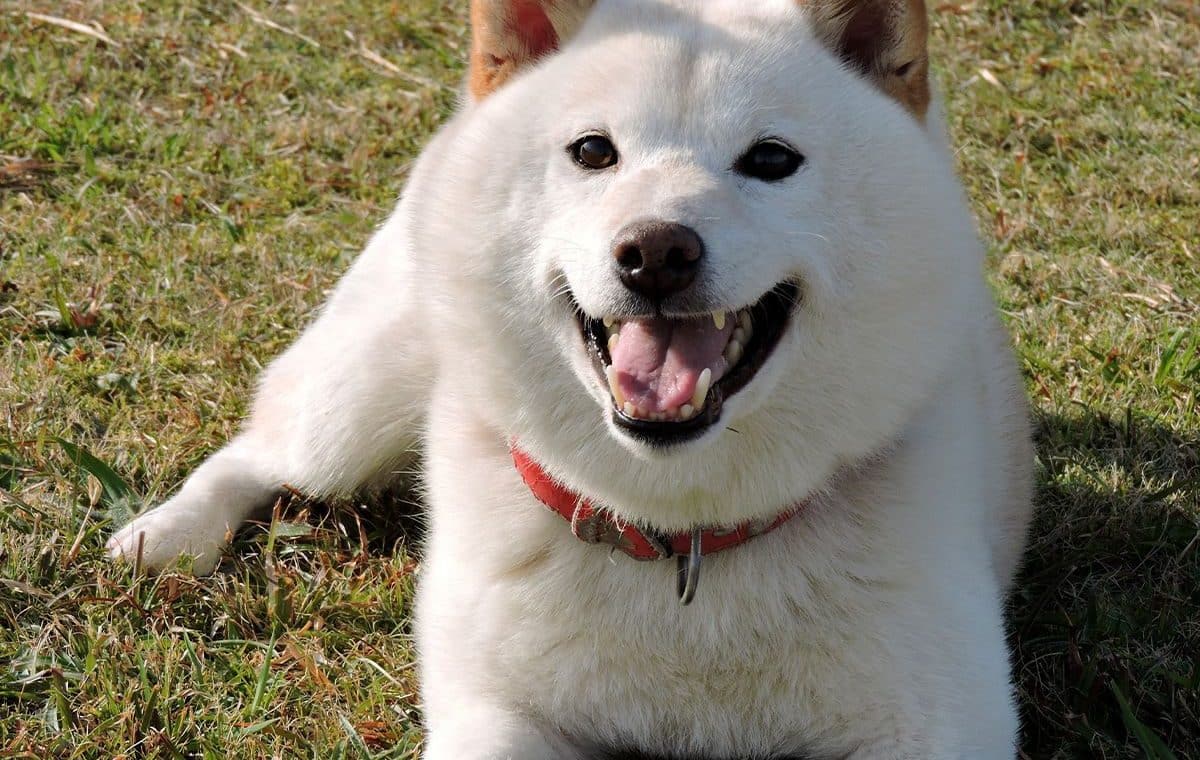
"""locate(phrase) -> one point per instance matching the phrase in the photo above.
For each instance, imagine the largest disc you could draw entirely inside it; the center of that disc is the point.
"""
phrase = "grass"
(173, 205)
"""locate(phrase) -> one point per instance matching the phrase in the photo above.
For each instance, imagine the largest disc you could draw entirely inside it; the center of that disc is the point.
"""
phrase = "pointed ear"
(885, 40)
(509, 34)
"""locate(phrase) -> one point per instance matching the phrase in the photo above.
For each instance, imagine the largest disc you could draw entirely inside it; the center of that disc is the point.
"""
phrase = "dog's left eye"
(594, 152)
(769, 160)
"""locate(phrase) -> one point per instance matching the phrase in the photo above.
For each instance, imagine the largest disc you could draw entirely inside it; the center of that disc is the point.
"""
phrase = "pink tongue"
(658, 361)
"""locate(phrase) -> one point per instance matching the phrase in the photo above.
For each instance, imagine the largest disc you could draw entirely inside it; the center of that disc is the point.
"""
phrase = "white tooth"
(733, 352)
(641, 412)
(657, 417)
(630, 410)
(613, 387)
(719, 319)
(702, 388)
(738, 334)
(744, 319)
(686, 412)
(609, 320)
(612, 342)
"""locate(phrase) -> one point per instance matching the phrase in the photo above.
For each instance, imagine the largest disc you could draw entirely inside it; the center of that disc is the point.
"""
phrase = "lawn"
(181, 183)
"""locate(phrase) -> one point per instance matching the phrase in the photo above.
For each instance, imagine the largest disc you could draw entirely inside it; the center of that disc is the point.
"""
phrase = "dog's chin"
(648, 421)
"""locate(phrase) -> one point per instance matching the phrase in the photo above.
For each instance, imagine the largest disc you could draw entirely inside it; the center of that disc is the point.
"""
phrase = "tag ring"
(688, 576)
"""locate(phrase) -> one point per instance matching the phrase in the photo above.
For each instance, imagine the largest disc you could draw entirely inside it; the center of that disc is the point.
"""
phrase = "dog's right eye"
(769, 160)
(594, 152)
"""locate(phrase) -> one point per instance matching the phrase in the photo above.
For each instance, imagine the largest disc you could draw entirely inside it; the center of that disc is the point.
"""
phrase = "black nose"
(658, 259)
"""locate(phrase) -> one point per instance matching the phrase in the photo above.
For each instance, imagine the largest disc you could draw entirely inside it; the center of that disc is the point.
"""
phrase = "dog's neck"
(594, 524)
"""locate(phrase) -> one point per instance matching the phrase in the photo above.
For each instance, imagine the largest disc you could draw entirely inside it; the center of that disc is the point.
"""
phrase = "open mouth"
(668, 377)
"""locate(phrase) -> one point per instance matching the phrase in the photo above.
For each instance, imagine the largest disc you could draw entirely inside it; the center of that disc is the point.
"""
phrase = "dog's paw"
(164, 535)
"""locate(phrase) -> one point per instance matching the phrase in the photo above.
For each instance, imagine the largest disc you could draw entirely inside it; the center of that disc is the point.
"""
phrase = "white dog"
(685, 304)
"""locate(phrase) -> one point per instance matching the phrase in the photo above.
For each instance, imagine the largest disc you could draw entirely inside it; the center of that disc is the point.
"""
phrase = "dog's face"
(690, 191)
(723, 235)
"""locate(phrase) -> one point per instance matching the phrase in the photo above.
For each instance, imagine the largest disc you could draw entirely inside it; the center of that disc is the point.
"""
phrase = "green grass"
(172, 207)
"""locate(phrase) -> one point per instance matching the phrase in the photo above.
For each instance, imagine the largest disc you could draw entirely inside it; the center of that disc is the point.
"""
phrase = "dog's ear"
(884, 39)
(509, 34)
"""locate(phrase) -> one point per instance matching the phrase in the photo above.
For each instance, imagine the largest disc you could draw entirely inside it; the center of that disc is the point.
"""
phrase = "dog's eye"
(594, 152)
(769, 160)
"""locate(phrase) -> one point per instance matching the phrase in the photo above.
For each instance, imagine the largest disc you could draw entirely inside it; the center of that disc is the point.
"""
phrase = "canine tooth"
(733, 352)
(744, 319)
(719, 319)
(630, 410)
(686, 412)
(614, 387)
(609, 320)
(612, 342)
(739, 335)
(701, 391)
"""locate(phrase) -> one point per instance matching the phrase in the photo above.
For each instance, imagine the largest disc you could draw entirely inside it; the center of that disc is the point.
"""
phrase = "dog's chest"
(747, 670)
(779, 656)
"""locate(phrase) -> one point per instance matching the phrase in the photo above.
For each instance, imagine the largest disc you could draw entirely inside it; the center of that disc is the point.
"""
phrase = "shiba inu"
(725, 450)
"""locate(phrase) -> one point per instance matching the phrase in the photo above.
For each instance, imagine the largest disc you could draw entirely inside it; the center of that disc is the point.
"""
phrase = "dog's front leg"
(892, 752)
(199, 520)
(486, 733)
(339, 409)
(916, 747)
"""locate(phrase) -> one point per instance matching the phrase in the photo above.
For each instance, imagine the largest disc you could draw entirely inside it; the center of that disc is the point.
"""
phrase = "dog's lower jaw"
(727, 349)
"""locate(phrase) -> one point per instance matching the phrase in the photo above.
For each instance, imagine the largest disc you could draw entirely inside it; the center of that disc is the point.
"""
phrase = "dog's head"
(714, 240)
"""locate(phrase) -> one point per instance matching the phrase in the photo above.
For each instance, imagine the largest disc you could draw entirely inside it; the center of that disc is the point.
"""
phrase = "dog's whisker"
(804, 233)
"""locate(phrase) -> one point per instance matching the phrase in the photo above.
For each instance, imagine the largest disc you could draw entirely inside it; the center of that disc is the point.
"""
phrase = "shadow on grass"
(1106, 616)
(389, 523)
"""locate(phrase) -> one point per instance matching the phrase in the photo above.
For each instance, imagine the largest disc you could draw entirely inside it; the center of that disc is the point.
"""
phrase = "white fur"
(868, 627)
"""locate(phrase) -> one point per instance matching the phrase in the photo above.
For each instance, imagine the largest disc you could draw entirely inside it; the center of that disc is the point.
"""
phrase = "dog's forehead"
(721, 13)
(706, 24)
(651, 66)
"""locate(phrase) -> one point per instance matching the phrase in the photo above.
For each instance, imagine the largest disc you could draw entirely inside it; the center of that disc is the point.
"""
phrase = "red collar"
(596, 525)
